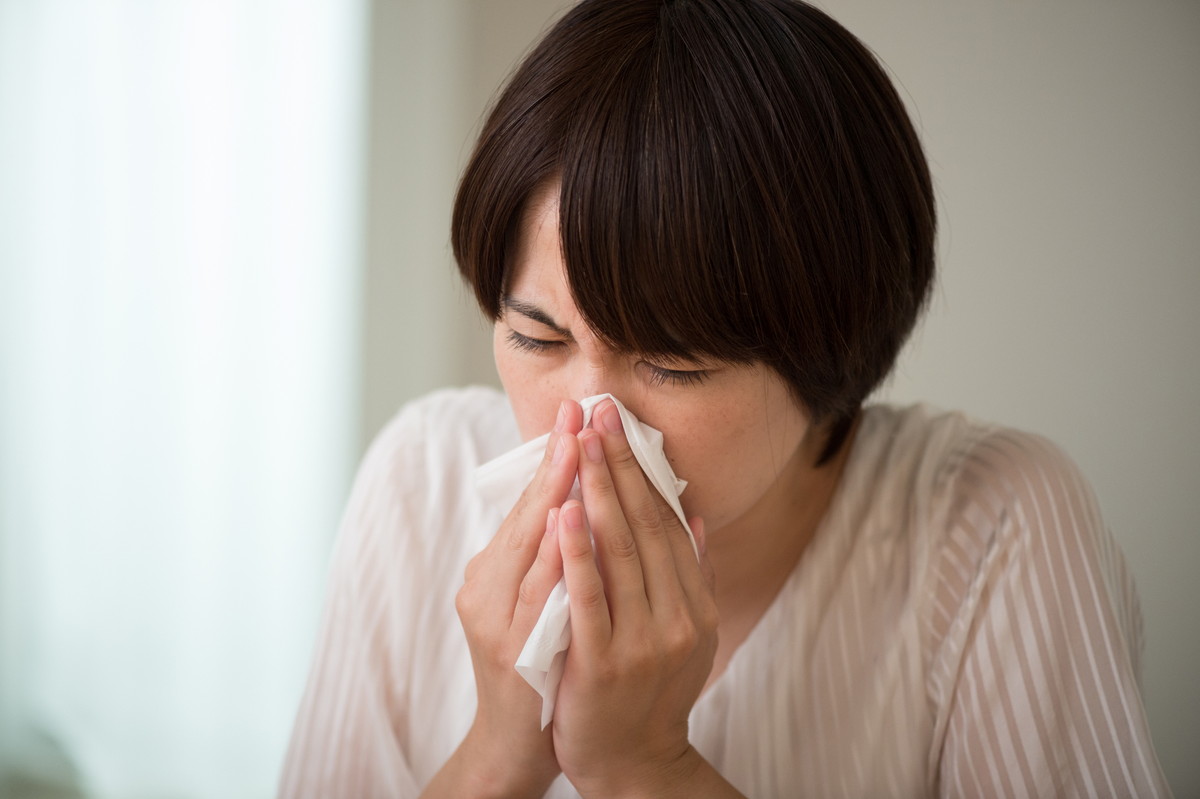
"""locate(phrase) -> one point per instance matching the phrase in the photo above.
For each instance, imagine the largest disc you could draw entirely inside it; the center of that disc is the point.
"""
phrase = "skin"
(650, 629)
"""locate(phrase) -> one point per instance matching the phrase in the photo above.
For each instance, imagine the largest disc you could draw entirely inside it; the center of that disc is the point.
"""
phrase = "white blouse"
(962, 624)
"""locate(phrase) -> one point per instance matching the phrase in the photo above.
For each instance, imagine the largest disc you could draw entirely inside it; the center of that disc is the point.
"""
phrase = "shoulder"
(1015, 500)
(462, 427)
(975, 504)
(1017, 477)
(1005, 522)
(416, 479)
(903, 467)
(433, 443)
(948, 469)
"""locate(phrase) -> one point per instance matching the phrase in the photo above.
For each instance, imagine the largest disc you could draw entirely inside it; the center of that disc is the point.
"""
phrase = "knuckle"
(601, 487)
(645, 516)
(514, 537)
(666, 514)
(647, 660)
(531, 498)
(539, 490)
(590, 596)
(464, 601)
(527, 592)
(606, 672)
(622, 456)
(519, 510)
(683, 637)
(621, 546)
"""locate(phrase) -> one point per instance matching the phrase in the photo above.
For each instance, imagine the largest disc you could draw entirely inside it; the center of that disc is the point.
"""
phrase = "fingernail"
(610, 418)
(572, 516)
(560, 450)
(562, 417)
(552, 522)
(591, 445)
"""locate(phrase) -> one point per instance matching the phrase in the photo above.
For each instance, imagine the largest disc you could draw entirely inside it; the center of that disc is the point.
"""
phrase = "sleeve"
(346, 740)
(1037, 633)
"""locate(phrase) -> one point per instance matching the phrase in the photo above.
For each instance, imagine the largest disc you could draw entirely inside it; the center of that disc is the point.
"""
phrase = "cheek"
(730, 465)
(708, 456)
(721, 476)
(534, 404)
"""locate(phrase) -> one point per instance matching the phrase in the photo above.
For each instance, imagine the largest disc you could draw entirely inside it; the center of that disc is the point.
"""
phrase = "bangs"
(653, 238)
(674, 235)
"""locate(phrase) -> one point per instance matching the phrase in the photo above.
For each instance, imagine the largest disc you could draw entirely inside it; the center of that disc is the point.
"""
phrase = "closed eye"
(661, 376)
(658, 375)
(525, 343)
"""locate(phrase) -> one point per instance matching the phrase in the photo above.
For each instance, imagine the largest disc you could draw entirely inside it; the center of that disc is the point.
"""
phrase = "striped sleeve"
(1035, 636)
(347, 738)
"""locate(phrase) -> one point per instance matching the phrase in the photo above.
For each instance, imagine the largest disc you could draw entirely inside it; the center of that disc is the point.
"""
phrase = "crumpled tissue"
(501, 482)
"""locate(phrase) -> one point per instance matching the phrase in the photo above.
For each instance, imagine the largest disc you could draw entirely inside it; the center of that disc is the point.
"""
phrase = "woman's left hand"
(643, 628)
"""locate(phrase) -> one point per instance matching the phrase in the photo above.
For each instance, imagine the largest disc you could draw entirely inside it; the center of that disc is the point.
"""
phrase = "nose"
(590, 379)
(596, 369)
(609, 376)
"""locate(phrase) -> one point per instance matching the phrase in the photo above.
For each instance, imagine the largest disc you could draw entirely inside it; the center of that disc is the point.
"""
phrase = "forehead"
(538, 271)
(538, 234)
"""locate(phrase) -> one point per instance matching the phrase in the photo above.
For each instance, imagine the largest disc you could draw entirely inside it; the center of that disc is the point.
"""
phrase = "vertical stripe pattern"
(962, 625)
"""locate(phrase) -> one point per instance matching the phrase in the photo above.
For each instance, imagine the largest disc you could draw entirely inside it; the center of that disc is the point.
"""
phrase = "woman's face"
(731, 431)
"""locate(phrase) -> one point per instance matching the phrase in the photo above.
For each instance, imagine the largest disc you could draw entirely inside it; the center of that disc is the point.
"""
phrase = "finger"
(516, 542)
(570, 417)
(695, 570)
(639, 501)
(540, 580)
(617, 552)
(591, 626)
(556, 472)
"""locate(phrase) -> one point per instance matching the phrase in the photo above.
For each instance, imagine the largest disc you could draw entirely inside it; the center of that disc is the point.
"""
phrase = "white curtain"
(178, 273)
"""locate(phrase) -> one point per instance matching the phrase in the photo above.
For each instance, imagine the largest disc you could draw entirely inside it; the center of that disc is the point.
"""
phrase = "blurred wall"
(434, 67)
(1063, 139)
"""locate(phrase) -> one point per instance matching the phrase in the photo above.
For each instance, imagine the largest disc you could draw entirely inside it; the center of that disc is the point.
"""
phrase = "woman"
(718, 212)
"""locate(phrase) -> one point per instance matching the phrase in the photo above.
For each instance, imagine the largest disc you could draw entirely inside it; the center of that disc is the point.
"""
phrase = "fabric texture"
(962, 624)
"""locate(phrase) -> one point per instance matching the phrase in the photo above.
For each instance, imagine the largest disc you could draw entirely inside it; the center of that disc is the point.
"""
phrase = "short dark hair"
(738, 180)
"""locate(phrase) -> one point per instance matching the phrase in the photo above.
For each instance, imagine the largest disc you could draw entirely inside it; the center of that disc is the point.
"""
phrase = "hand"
(643, 627)
(505, 751)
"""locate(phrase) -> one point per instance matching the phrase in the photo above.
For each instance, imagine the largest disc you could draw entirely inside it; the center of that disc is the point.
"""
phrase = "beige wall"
(434, 65)
(1063, 139)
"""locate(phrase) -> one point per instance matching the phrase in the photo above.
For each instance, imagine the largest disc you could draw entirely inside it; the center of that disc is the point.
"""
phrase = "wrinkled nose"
(589, 380)
(617, 381)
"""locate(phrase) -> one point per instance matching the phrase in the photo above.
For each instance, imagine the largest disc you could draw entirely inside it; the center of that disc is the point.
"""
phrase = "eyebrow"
(531, 311)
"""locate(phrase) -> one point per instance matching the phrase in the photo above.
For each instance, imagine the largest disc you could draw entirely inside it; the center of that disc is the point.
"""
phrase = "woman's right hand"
(505, 751)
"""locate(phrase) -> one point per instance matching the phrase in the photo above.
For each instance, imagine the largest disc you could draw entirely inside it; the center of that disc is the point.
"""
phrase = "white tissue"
(502, 480)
